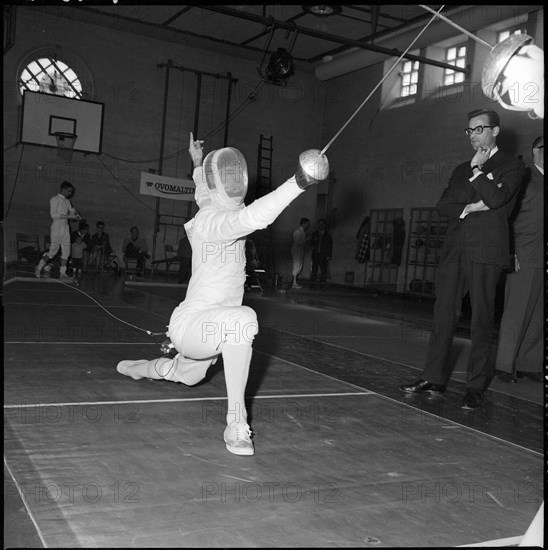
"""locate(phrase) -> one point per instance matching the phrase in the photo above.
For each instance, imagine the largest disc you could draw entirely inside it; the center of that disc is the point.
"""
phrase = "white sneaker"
(238, 439)
(38, 272)
(66, 278)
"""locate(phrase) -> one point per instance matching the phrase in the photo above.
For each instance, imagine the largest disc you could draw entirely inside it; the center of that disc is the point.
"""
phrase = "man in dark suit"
(321, 244)
(478, 202)
(520, 350)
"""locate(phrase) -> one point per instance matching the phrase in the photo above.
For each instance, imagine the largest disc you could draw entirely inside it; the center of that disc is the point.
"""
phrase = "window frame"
(65, 57)
(415, 68)
(449, 73)
(52, 67)
(522, 28)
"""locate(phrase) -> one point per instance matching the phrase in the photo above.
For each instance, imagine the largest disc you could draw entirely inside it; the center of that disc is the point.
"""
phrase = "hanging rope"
(123, 187)
(250, 97)
(15, 182)
(180, 120)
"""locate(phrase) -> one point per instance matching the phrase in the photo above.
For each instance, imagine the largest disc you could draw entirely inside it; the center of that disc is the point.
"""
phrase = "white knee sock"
(236, 359)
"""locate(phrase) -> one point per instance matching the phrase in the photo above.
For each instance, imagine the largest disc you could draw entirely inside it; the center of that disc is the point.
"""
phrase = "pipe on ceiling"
(470, 17)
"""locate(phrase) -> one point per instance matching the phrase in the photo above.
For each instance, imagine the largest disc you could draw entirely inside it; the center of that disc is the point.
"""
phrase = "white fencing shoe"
(237, 437)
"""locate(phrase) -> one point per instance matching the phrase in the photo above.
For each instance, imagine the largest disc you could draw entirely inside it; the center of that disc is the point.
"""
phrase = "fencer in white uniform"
(61, 211)
(212, 321)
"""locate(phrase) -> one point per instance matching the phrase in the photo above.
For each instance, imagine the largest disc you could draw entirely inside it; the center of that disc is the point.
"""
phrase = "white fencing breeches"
(202, 336)
(60, 238)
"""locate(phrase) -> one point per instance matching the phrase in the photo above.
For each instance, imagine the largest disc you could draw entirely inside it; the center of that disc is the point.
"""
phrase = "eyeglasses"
(478, 130)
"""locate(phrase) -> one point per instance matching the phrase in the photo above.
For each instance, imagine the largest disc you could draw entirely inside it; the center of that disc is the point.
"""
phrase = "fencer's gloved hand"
(168, 348)
(313, 168)
(195, 150)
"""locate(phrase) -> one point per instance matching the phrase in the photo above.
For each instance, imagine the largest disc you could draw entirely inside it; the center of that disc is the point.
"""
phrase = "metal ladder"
(265, 241)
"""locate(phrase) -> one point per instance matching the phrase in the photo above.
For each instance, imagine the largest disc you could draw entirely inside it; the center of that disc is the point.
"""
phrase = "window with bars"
(51, 76)
(455, 55)
(503, 35)
(409, 78)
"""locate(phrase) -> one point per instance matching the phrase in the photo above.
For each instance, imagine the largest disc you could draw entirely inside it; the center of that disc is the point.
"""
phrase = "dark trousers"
(319, 263)
(133, 252)
(185, 267)
(455, 276)
(520, 337)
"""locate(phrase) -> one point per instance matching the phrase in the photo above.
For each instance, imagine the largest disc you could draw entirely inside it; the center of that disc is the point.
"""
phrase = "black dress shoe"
(423, 386)
(535, 376)
(505, 376)
(472, 399)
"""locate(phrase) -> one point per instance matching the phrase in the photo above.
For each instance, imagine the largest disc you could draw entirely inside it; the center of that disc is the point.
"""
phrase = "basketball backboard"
(44, 115)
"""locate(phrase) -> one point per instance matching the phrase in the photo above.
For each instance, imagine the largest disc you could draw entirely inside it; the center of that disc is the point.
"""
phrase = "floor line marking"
(509, 541)
(27, 508)
(137, 307)
(31, 280)
(411, 407)
(388, 398)
(88, 343)
(313, 371)
(238, 478)
(346, 349)
(396, 362)
(318, 336)
(61, 305)
(182, 399)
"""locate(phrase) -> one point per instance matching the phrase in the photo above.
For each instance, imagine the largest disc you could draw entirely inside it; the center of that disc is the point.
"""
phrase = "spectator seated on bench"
(135, 250)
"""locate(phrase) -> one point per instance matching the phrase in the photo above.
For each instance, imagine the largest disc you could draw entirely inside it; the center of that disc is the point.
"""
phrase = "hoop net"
(65, 145)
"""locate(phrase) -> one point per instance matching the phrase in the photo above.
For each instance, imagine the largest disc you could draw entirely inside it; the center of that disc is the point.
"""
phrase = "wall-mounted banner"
(166, 188)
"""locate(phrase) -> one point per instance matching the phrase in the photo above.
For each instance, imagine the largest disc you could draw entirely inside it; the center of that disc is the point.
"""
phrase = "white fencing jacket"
(217, 237)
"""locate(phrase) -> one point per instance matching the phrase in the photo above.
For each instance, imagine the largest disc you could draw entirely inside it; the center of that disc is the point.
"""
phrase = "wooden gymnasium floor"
(343, 459)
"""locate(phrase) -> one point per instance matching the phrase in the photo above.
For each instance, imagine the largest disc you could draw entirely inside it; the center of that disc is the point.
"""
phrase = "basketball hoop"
(65, 145)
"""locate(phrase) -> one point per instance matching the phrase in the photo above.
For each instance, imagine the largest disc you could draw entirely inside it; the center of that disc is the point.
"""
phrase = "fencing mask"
(225, 171)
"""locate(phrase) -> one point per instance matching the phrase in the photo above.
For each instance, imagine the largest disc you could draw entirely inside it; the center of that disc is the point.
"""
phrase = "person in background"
(83, 231)
(520, 350)
(363, 247)
(100, 247)
(184, 256)
(136, 247)
(300, 239)
(77, 254)
(321, 244)
(61, 212)
(478, 201)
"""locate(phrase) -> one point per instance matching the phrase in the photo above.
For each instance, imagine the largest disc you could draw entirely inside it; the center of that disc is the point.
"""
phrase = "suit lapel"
(491, 162)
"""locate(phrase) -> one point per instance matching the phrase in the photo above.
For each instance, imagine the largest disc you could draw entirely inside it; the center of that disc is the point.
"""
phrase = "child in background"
(77, 253)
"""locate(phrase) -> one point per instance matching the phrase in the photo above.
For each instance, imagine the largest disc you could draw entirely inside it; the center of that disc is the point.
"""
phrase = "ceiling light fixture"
(513, 73)
(322, 10)
(280, 66)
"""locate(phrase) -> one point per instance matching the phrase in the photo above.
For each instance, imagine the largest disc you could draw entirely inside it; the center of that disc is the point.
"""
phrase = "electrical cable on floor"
(149, 332)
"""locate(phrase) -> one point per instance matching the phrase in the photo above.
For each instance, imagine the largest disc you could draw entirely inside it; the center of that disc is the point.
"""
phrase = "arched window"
(51, 71)
(50, 76)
